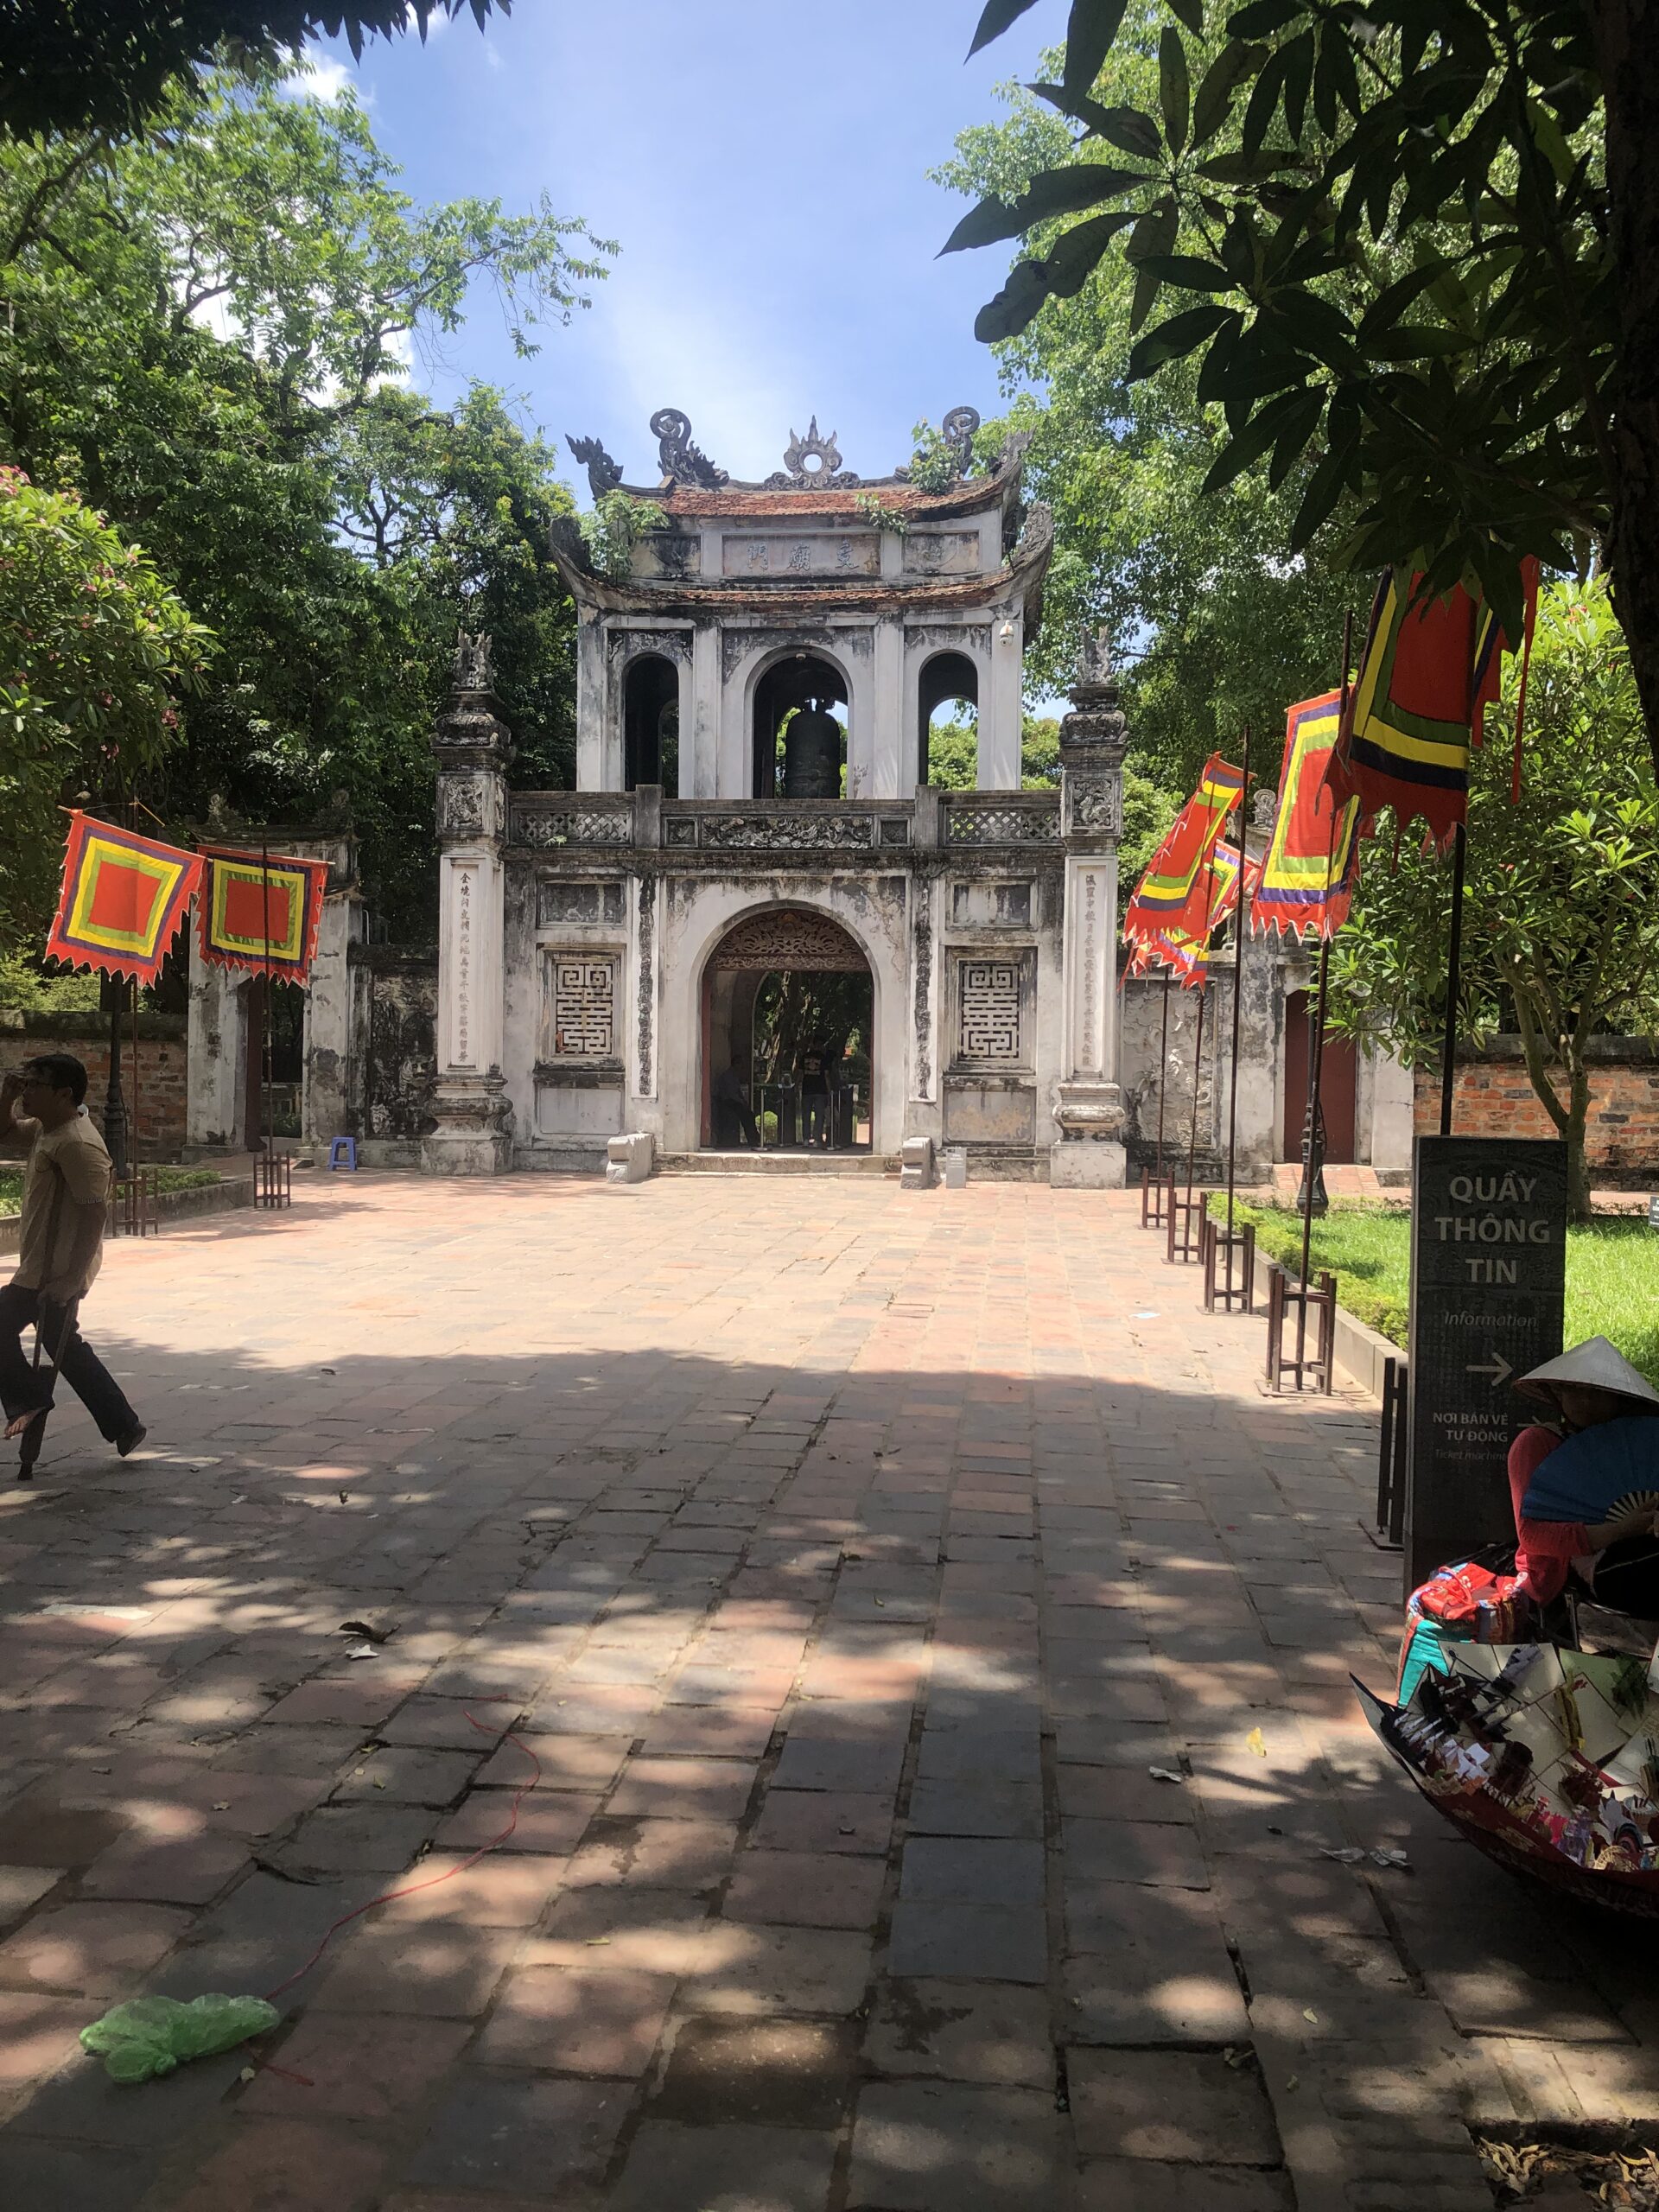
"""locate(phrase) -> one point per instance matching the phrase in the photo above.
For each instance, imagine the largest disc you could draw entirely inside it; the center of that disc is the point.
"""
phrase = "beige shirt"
(68, 1172)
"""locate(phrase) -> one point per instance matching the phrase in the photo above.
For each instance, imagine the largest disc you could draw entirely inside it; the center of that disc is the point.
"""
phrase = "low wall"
(161, 1085)
(1494, 1098)
(171, 1206)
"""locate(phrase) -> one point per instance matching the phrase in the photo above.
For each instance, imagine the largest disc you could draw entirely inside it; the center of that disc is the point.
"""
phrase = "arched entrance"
(788, 1036)
(800, 728)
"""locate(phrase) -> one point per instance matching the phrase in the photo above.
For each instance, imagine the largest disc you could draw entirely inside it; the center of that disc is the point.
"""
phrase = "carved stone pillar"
(470, 1104)
(1089, 1102)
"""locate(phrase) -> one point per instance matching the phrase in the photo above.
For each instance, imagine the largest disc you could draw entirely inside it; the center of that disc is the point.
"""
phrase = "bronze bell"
(812, 755)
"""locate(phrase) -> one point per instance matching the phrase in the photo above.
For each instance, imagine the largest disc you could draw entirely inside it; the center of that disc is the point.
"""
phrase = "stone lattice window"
(583, 1008)
(989, 1026)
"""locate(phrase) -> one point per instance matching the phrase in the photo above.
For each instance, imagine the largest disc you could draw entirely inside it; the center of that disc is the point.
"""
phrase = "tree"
(230, 389)
(1425, 269)
(1217, 627)
(106, 65)
(92, 648)
(1561, 930)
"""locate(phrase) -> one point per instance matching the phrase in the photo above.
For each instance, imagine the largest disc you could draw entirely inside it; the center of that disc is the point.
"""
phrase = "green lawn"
(1612, 1271)
(172, 1178)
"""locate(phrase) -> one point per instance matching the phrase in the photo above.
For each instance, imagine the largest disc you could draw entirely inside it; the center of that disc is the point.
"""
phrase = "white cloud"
(317, 77)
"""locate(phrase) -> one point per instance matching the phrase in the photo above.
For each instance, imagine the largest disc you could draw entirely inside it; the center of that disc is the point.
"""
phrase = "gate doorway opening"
(788, 1025)
(284, 1093)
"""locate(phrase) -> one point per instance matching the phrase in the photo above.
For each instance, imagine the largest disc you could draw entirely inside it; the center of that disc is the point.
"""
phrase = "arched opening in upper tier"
(948, 721)
(800, 727)
(651, 724)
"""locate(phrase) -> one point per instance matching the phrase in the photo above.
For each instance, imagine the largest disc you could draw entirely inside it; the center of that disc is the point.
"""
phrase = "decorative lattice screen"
(990, 1010)
(584, 994)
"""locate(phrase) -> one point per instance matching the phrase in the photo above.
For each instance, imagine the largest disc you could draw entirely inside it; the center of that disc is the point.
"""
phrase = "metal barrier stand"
(274, 1179)
(134, 1211)
(1285, 1293)
(1185, 1215)
(1218, 1245)
(1391, 1459)
(1153, 1194)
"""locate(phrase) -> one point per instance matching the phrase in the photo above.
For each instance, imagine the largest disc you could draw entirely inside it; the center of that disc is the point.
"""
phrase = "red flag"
(123, 899)
(1177, 888)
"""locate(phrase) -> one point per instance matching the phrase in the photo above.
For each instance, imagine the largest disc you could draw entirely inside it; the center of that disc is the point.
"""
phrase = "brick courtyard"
(846, 1562)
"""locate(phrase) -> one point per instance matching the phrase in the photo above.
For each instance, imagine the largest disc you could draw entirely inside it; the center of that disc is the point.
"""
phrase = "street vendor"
(1599, 1411)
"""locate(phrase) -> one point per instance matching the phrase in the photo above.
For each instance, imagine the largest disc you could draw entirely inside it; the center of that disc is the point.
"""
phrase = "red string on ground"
(411, 1888)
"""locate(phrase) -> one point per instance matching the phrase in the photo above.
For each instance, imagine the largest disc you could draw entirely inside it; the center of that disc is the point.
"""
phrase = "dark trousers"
(24, 1390)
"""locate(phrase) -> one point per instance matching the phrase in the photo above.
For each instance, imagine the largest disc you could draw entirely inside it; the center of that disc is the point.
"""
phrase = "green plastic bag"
(152, 2035)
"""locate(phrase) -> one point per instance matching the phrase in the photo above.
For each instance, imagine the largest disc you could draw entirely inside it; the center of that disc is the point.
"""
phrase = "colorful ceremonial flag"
(1223, 863)
(1176, 888)
(1312, 857)
(124, 896)
(1174, 947)
(1426, 678)
(260, 911)
(1170, 949)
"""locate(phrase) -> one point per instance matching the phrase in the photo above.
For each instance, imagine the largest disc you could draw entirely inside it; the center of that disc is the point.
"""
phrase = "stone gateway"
(754, 840)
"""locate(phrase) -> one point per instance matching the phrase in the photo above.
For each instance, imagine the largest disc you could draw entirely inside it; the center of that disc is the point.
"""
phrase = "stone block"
(510, 2134)
(916, 1164)
(769, 2073)
(918, 2145)
(987, 2032)
(725, 2169)
(1169, 2105)
(1095, 1164)
(630, 1157)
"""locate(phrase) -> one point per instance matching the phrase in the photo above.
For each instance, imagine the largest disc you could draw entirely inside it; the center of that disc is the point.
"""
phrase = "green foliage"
(1368, 1248)
(1393, 218)
(1219, 627)
(878, 516)
(229, 389)
(92, 648)
(613, 526)
(105, 65)
(1613, 1272)
(25, 986)
(933, 465)
(953, 761)
(1560, 928)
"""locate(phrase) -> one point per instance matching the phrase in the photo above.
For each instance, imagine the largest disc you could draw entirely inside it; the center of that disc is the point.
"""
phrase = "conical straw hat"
(1595, 1365)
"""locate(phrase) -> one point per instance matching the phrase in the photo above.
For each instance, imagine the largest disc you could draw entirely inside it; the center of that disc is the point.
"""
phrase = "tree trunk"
(1627, 49)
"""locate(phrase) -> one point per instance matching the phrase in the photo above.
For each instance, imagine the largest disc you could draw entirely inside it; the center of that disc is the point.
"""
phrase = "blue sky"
(762, 166)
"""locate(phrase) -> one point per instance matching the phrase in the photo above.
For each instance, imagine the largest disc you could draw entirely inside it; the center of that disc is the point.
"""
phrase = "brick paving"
(848, 1561)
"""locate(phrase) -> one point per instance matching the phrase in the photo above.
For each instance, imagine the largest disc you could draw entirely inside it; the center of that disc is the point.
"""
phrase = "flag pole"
(137, 1090)
(265, 1112)
(1454, 981)
(1241, 917)
(1312, 1154)
(1198, 1069)
(1163, 1076)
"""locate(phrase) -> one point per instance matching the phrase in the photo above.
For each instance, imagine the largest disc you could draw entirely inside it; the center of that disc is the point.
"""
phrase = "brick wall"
(1494, 1098)
(161, 1087)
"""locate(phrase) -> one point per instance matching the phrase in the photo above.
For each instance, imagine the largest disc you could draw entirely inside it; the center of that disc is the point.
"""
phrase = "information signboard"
(1488, 1278)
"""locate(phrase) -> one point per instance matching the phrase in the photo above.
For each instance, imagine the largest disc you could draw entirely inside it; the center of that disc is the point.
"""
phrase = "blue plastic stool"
(342, 1151)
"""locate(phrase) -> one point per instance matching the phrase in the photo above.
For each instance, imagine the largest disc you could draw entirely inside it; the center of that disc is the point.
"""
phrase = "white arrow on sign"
(1497, 1367)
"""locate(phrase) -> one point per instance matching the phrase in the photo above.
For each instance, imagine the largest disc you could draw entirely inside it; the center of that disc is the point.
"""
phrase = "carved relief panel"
(470, 805)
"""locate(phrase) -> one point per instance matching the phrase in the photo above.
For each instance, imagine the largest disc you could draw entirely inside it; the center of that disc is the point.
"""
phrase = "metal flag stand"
(276, 1169)
(1152, 1179)
(1303, 1294)
(1216, 1241)
(1186, 1215)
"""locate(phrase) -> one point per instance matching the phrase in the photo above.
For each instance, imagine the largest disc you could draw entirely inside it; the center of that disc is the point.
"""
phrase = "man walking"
(66, 1197)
